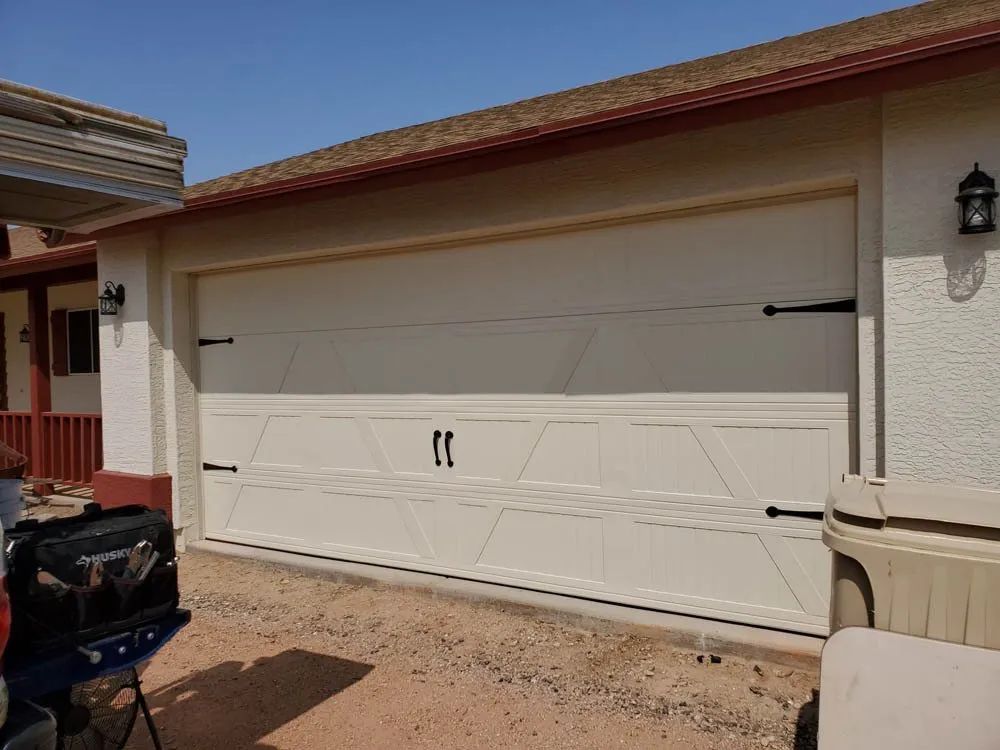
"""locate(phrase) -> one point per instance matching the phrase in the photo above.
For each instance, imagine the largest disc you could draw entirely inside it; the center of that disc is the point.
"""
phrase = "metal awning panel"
(80, 167)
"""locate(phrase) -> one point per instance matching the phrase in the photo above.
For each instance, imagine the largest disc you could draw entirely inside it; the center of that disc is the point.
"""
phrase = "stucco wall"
(810, 150)
(70, 393)
(942, 289)
(132, 359)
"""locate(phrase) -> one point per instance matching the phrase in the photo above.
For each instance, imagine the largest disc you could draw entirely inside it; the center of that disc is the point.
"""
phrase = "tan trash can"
(915, 558)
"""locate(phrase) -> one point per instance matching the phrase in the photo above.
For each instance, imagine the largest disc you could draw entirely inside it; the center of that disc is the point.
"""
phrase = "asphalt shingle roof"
(25, 243)
(865, 34)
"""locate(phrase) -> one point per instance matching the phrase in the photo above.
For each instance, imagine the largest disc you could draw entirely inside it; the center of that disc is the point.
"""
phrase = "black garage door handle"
(447, 446)
(218, 467)
(437, 437)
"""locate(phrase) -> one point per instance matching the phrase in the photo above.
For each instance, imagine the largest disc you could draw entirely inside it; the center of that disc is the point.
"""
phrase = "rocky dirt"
(280, 659)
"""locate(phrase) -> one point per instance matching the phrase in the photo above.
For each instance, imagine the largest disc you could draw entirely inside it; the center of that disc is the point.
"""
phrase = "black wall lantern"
(977, 208)
(24, 335)
(112, 299)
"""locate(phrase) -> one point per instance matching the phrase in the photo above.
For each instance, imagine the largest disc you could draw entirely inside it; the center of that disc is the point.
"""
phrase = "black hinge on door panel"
(773, 512)
(212, 342)
(838, 306)
(218, 467)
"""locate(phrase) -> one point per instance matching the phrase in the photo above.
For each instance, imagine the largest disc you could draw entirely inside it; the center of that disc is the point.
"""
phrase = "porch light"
(24, 335)
(112, 298)
(976, 198)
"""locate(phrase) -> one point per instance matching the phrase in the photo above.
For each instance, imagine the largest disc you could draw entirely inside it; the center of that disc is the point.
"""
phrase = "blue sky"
(250, 82)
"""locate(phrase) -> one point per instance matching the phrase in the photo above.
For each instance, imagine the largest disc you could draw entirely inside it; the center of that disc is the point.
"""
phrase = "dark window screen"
(81, 334)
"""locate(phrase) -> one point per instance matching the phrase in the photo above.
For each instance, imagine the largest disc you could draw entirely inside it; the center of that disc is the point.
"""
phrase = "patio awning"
(76, 166)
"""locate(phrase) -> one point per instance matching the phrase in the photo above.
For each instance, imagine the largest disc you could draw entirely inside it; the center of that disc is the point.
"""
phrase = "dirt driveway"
(280, 659)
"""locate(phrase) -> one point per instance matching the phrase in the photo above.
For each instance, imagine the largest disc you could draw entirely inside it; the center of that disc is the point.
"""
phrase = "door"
(618, 411)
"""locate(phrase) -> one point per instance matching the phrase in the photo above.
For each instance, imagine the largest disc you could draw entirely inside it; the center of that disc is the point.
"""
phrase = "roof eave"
(80, 255)
(968, 39)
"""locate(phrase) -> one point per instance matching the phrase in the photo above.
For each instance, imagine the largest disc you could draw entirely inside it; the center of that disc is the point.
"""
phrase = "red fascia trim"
(792, 78)
(56, 259)
(113, 489)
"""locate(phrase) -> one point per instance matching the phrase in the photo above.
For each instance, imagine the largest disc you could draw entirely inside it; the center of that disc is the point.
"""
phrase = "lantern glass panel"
(975, 212)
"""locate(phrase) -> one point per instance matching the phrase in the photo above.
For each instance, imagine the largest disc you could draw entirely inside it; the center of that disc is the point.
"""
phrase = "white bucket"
(11, 502)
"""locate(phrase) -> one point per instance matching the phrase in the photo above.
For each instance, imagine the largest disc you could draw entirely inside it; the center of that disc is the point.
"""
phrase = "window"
(81, 337)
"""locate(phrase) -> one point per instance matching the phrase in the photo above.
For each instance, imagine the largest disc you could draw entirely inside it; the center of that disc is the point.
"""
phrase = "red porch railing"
(15, 431)
(72, 445)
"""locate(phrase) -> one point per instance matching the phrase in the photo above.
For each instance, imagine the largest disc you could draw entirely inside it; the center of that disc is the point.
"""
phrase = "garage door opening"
(605, 412)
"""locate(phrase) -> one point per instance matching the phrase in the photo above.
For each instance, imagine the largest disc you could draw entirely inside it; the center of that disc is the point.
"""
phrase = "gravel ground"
(279, 659)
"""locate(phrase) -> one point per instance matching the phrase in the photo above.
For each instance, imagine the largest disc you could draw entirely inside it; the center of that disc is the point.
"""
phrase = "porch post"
(39, 377)
(132, 376)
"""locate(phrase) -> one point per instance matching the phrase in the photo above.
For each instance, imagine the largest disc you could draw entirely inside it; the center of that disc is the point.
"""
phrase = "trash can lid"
(882, 499)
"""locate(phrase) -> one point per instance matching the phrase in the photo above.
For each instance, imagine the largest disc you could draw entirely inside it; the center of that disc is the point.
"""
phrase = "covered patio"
(69, 168)
(50, 391)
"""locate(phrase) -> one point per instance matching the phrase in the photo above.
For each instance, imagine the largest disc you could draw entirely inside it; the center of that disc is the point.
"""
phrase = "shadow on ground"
(233, 705)
(807, 724)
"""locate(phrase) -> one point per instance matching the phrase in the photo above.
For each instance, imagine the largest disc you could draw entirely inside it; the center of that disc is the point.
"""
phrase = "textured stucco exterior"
(942, 289)
(70, 393)
(132, 359)
(904, 151)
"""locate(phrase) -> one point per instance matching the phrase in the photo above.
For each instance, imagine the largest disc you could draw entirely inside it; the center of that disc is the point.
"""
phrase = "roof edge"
(797, 77)
(77, 255)
(970, 39)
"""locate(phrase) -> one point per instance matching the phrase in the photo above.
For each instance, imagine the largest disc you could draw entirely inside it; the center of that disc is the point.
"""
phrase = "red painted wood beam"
(68, 275)
(39, 377)
(53, 260)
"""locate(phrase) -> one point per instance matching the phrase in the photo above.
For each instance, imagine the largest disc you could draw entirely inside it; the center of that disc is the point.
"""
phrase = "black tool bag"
(75, 580)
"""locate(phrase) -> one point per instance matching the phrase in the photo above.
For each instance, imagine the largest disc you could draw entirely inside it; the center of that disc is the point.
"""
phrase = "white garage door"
(603, 412)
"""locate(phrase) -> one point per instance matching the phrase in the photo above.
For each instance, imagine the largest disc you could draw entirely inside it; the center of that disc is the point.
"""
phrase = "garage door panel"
(406, 443)
(372, 522)
(787, 462)
(566, 454)
(670, 459)
(493, 448)
(251, 364)
(741, 350)
(729, 350)
(218, 499)
(700, 565)
(316, 368)
(396, 361)
(757, 254)
(269, 510)
(545, 544)
(726, 566)
(231, 437)
(740, 454)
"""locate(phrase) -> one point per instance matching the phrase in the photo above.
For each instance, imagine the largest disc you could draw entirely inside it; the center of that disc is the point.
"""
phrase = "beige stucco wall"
(132, 389)
(942, 289)
(70, 393)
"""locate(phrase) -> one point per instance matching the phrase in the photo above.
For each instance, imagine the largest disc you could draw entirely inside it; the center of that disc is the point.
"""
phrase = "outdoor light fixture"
(977, 210)
(24, 336)
(112, 299)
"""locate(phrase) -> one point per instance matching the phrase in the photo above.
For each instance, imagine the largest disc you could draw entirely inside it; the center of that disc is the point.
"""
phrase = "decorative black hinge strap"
(774, 512)
(212, 342)
(218, 467)
(839, 306)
